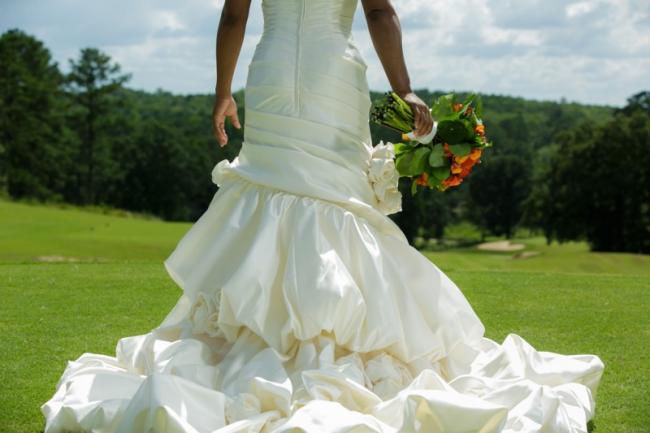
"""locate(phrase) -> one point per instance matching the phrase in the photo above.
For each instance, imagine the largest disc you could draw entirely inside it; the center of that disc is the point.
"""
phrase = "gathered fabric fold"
(298, 315)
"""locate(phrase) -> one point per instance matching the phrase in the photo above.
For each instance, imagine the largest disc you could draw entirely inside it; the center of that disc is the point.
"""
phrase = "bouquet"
(446, 156)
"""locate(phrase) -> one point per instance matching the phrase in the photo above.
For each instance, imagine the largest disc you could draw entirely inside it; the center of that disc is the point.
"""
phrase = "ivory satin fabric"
(303, 307)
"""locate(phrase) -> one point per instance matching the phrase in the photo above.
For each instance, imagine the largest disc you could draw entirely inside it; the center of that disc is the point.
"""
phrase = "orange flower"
(457, 106)
(475, 153)
(466, 170)
(460, 159)
(446, 150)
(468, 162)
(456, 168)
(453, 180)
(480, 130)
(469, 111)
(422, 179)
(405, 137)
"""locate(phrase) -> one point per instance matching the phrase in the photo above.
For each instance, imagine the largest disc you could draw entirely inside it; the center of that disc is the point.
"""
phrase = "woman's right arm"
(230, 36)
(386, 35)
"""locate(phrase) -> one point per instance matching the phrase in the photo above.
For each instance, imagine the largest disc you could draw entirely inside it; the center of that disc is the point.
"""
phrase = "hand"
(421, 113)
(224, 106)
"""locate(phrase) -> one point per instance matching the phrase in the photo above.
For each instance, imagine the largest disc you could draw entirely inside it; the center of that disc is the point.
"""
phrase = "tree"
(497, 189)
(427, 213)
(539, 210)
(30, 126)
(637, 102)
(600, 183)
(93, 84)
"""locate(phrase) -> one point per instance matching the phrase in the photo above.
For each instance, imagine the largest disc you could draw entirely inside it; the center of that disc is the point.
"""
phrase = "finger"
(420, 122)
(429, 122)
(219, 132)
(215, 128)
(235, 120)
(223, 137)
(417, 120)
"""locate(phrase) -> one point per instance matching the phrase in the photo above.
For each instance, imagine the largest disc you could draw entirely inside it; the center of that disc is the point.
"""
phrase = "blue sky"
(593, 51)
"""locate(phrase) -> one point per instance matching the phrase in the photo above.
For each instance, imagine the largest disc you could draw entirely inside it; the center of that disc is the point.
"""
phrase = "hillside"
(35, 233)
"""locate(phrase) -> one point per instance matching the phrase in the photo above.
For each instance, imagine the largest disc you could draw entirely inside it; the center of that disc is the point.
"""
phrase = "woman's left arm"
(230, 37)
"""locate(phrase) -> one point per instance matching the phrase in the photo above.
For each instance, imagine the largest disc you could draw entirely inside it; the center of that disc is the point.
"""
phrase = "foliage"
(446, 156)
(88, 139)
(30, 124)
(92, 86)
(497, 194)
(596, 185)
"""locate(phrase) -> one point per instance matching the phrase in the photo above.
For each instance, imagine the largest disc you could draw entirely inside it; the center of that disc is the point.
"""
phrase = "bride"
(303, 307)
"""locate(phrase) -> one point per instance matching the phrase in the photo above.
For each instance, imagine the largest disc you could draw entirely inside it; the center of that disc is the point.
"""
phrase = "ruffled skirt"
(299, 315)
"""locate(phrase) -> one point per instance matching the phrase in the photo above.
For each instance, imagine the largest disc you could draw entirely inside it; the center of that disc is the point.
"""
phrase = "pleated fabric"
(303, 307)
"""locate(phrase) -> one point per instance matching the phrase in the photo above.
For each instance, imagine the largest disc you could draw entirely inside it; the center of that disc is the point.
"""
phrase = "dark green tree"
(539, 209)
(93, 85)
(497, 189)
(31, 152)
(637, 102)
(600, 186)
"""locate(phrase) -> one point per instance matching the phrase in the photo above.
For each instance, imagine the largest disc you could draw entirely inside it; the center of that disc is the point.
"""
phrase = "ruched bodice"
(293, 26)
(307, 106)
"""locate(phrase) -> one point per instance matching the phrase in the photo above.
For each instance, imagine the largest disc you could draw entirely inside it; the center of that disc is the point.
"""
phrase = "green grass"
(572, 257)
(564, 300)
(31, 231)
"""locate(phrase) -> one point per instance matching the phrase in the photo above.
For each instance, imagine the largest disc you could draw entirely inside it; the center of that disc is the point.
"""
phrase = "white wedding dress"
(303, 307)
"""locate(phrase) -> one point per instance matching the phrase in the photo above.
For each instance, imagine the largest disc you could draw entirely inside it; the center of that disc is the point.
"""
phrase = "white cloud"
(580, 8)
(587, 50)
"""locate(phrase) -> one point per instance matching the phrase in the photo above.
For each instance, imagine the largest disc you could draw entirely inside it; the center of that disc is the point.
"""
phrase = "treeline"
(569, 170)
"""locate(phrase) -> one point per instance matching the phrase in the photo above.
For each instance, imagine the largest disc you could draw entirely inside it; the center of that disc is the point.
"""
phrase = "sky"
(589, 51)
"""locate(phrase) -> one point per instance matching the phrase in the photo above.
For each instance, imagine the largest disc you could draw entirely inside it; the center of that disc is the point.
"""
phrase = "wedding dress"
(303, 307)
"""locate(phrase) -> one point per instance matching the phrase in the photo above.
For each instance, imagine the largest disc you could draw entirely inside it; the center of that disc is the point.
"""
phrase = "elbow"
(233, 20)
(379, 14)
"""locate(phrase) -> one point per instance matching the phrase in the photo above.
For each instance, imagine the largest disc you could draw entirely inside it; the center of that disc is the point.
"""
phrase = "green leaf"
(413, 162)
(461, 149)
(433, 181)
(414, 187)
(468, 101)
(437, 156)
(403, 163)
(443, 107)
(420, 159)
(478, 108)
(453, 131)
(402, 147)
(441, 173)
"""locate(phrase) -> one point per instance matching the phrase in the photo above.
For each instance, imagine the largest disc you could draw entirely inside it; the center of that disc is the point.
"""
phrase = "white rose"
(381, 170)
(392, 201)
(384, 178)
(384, 150)
(220, 171)
(204, 314)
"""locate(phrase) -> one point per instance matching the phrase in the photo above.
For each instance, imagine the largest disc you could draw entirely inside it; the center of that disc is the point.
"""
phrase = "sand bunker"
(501, 246)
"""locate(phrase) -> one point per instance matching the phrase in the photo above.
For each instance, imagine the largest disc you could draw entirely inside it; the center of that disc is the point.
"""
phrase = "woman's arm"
(386, 35)
(230, 36)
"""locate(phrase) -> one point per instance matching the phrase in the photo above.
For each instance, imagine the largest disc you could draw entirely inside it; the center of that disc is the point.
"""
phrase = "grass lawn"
(565, 299)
